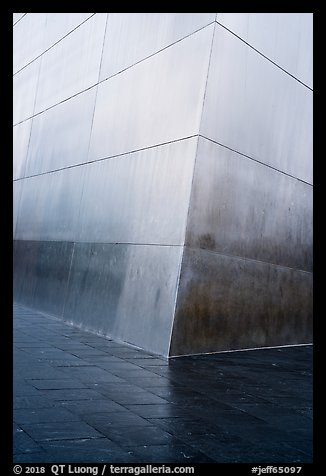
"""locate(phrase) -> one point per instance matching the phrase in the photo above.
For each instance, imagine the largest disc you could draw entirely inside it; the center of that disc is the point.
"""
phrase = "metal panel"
(72, 65)
(32, 208)
(255, 108)
(141, 197)
(24, 260)
(60, 24)
(39, 31)
(41, 272)
(28, 39)
(50, 206)
(17, 16)
(21, 134)
(156, 101)
(128, 290)
(243, 208)
(124, 291)
(286, 38)
(60, 136)
(16, 190)
(132, 37)
(24, 91)
(229, 303)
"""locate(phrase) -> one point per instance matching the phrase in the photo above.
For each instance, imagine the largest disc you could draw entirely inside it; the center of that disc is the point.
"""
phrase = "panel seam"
(170, 245)
(255, 160)
(241, 350)
(92, 122)
(109, 157)
(104, 242)
(19, 19)
(81, 164)
(264, 56)
(246, 258)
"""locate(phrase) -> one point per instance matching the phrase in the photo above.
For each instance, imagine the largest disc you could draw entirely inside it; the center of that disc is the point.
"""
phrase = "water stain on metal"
(228, 303)
(206, 241)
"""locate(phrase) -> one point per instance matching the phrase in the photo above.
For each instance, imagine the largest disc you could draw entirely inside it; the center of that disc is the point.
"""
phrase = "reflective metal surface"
(286, 38)
(124, 291)
(31, 209)
(257, 109)
(17, 16)
(50, 206)
(40, 31)
(100, 242)
(21, 134)
(16, 194)
(156, 101)
(28, 39)
(137, 198)
(226, 303)
(60, 136)
(24, 91)
(243, 208)
(41, 272)
(60, 24)
(132, 37)
(72, 65)
(140, 197)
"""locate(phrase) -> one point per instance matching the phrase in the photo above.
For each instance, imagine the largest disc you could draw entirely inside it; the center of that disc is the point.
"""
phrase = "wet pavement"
(83, 398)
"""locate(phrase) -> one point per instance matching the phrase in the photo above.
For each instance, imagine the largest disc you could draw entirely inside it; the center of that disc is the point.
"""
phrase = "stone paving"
(80, 398)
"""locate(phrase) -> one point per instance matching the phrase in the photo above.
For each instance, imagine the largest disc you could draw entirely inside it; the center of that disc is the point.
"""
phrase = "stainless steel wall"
(246, 275)
(125, 187)
(106, 118)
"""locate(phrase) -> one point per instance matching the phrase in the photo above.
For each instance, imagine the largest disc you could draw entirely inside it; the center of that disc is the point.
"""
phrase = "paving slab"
(83, 398)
